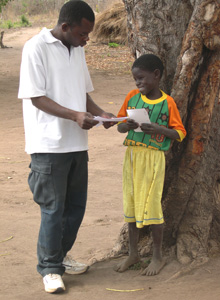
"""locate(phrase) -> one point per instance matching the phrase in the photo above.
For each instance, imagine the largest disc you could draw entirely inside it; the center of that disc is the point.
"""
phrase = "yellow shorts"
(143, 180)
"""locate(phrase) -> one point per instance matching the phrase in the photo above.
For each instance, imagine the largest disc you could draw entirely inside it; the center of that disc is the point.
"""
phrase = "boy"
(144, 162)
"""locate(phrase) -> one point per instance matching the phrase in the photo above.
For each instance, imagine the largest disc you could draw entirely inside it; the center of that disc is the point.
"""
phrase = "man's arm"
(95, 110)
(92, 107)
(83, 119)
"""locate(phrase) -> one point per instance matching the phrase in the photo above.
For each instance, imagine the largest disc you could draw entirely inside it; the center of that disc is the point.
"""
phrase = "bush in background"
(36, 7)
(40, 12)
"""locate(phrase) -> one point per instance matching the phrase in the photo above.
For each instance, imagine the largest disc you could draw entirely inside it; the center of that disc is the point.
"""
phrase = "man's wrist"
(74, 115)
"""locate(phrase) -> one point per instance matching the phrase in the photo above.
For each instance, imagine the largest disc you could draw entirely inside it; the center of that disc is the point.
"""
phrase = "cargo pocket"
(40, 181)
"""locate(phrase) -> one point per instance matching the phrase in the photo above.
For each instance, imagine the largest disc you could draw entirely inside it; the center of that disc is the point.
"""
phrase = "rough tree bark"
(186, 35)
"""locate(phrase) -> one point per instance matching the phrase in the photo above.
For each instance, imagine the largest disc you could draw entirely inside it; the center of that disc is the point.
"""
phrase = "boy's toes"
(149, 272)
(153, 268)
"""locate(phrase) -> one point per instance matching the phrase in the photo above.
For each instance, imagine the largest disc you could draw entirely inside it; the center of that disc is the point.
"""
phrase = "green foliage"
(135, 267)
(140, 265)
(9, 24)
(24, 22)
(3, 3)
(24, 4)
(24, 7)
(6, 24)
(113, 45)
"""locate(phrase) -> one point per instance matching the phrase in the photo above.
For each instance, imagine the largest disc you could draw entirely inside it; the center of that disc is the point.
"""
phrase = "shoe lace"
(54, 276)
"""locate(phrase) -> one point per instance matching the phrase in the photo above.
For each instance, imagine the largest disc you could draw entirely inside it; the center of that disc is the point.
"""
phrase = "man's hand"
(108, 116)
(85, 120)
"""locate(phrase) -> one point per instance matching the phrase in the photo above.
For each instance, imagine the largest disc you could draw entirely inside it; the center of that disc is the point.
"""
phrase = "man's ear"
(157, 73)
(65, 27)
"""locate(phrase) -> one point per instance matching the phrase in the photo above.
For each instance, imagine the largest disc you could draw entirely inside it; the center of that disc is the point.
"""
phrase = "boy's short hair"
(149, 62)
(73, 11)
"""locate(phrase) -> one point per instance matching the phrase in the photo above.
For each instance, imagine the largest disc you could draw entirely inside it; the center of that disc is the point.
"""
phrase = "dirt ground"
(20, 216)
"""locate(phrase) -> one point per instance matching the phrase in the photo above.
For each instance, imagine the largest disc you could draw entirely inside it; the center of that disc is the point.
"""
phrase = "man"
(58, 111)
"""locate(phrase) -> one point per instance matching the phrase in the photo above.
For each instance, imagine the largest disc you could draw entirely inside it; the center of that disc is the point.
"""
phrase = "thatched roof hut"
(111, 25)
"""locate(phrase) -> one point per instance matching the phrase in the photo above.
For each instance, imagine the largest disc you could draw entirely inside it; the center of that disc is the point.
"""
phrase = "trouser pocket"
(40, 181)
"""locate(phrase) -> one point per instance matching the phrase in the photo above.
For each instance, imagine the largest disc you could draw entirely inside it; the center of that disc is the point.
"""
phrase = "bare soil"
(20, 216)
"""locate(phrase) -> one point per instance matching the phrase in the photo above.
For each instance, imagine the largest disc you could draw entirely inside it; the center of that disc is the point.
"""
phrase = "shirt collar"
(47, 36)
(149, 101)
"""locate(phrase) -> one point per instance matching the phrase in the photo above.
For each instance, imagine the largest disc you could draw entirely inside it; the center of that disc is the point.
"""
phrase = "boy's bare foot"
(123, 266)
(154, 267)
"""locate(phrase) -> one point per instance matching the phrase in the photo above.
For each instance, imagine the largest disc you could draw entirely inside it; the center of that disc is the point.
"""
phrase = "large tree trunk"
(186, 35)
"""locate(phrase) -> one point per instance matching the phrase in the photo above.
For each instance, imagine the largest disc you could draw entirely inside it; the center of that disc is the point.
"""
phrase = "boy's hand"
(152, 128)
(126, 126)
(131, 124)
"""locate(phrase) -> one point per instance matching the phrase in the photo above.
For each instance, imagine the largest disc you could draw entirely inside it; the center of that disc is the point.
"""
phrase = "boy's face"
(147, 82)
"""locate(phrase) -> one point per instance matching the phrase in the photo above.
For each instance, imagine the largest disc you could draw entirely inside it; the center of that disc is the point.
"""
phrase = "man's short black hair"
(149, 62)
(73, 11)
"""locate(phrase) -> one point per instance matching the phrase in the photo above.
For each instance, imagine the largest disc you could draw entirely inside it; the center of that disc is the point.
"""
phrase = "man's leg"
(75, 199)
(133, 258)
(48, 182)
(157, 262)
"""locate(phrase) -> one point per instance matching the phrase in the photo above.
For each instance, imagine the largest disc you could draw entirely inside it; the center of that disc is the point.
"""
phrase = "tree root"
(189, 268)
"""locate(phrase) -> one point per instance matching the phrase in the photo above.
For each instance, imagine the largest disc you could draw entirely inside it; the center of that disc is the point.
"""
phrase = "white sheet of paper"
(140, 116)
(100, 119)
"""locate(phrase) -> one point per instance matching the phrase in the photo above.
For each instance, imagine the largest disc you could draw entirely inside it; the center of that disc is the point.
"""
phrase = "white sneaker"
(53, 283)
(74, 267)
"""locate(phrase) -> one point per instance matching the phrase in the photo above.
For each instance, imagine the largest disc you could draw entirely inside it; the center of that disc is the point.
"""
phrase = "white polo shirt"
(48, 69)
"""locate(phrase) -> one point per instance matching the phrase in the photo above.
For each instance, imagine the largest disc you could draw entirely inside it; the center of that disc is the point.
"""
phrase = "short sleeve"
(32, 73)
(175, 121)
(123, 111)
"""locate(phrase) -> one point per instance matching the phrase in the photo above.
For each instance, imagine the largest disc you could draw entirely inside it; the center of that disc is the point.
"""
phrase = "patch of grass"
(113, 45)
(6, 24)
(9, 24)
(140, 265)
(135, 267)
(146, 262)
